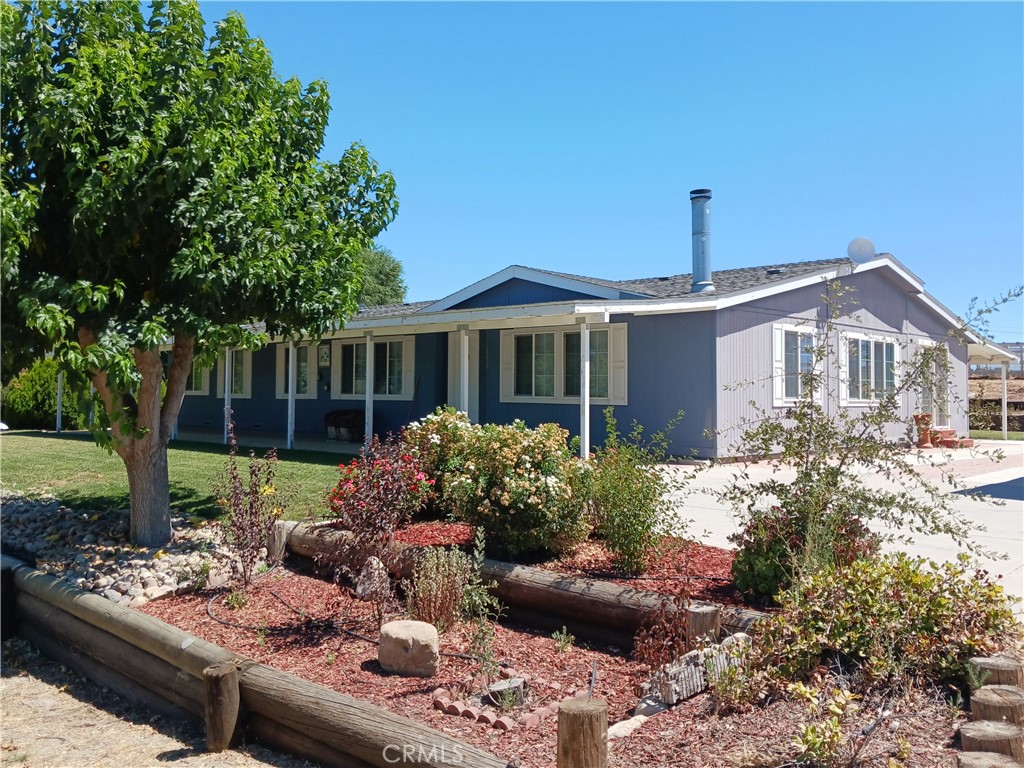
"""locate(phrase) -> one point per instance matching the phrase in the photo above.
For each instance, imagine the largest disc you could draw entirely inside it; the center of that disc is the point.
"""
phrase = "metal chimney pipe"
(700, 200)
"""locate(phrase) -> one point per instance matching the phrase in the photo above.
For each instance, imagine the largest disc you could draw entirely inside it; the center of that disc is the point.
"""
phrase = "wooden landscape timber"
(535, 591)
(144, 658)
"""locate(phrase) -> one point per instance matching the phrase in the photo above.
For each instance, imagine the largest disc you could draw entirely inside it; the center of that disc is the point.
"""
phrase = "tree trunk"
(149, 489)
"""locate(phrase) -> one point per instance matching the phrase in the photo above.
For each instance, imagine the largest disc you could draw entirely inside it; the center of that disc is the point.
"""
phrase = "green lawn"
(82, 475)
(992, 434)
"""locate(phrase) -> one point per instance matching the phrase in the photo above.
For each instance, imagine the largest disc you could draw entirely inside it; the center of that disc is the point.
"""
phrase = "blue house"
(544, 346)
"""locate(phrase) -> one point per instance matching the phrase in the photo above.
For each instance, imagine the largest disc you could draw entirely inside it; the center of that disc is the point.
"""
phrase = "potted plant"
(924, 429)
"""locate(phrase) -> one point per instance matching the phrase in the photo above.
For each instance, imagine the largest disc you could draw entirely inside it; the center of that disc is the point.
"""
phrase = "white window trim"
(281, 369)
(617, 365)
(844, 366)
(408, 367)
(205, 388)
(246, 392)
(778, 351)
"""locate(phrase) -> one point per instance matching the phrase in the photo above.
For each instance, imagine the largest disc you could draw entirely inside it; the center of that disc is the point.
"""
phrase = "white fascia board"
(523, 273)
(911, 282)
(987, 351)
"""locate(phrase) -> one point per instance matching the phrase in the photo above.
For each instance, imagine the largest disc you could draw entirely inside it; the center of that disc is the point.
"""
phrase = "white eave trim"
(987, 351)
(523, 273)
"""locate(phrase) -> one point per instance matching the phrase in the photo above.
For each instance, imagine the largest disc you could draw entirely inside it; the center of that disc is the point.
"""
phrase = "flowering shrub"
(522, 486)
(376, 494)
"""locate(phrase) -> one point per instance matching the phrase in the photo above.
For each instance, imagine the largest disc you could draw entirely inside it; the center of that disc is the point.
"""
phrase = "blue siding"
(516, 292)
(264, 412)
(670, 368)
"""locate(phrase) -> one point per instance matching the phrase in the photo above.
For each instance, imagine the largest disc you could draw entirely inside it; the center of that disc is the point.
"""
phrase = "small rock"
(650, 705)
(530, 721)
(624, 728)
(113, 595)
(507, 672)
(409, 648)
(440, 693)
(373, 579)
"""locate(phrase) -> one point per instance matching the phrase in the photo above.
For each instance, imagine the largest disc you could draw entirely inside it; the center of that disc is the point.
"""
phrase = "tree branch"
(182, 354)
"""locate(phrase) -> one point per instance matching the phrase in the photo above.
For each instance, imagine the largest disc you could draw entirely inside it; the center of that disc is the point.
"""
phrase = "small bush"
(30, 399)
(522, 486)
(630, 495)
(894, 617)
(376, 495)
(252, 507)
(436, 591)
(805, 531)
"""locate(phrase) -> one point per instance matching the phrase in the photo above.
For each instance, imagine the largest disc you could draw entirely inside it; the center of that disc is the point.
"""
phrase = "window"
(198, 382)
(544, 365)
(793, 359)
(598, 364)
(535, 365)
(305, 371)
(392, 368)
(387, 368)
(241, 374)
(871, 368)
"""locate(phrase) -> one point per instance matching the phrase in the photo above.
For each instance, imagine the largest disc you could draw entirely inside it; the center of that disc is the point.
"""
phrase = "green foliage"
(236, 599)
(159, 185)
(478, 600)
(811, 527)
(630, 495)
(30, 399)
(821, 741)
(252, 505)
(522, 486)
(564, 639)
(436, 592)
(382, 277)
(895, 617)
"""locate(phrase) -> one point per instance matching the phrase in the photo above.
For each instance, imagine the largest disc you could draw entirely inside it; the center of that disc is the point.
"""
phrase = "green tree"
(162, 189)
(382, 278)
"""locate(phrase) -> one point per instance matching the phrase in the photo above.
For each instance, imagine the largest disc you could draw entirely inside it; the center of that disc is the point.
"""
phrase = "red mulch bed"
(297, 623)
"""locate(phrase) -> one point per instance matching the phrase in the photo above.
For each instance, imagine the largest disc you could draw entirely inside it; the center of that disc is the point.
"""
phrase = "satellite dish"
(861, 250)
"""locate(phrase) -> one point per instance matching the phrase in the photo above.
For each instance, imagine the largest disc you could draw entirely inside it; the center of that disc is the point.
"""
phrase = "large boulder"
(409, 648)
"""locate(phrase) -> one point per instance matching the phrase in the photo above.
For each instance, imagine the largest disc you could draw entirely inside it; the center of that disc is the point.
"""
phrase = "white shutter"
(843, 348)
(618, 386)
(507, 344)
(778, 366)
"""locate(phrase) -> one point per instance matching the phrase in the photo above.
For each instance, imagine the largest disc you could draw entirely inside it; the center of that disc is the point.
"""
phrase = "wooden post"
(583, 734)
(221, 711)
(702, 621)
(985, 760)
(1004, 738)
(998, 670)
(998, 702)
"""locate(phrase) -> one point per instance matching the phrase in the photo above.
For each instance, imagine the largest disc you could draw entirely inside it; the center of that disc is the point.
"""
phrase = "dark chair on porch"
(346, 425)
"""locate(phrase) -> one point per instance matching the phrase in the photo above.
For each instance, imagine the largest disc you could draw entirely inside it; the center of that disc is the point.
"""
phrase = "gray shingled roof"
(726, 281)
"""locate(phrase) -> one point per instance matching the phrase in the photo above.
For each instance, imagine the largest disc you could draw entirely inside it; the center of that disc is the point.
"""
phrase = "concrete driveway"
(1003, 480)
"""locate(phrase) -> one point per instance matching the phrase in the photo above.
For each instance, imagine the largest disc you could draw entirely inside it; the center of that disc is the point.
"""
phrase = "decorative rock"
(649, 706)
(471, 713)
(530, 721)
(508, 672)
(455, 708)
(504, 724)
(409, 648)
(373, 579)
(440, 693)
(487, 718)
(442, 704)
(624, 728)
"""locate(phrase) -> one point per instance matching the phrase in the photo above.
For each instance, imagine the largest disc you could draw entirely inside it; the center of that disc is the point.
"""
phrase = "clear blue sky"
(567, 136)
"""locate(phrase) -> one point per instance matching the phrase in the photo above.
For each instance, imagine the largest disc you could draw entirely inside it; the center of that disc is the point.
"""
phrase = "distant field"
(72, 468)
(991, 434)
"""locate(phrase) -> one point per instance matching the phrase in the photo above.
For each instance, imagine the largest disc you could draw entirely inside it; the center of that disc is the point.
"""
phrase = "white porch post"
(368, 419)
(1003, 369)
(59, 400)
(584, 390)
(291, 394)
(464, 368)
(228, 385)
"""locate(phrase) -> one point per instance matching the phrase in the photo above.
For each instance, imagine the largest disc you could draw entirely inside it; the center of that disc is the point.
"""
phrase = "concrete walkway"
(1003, 480)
